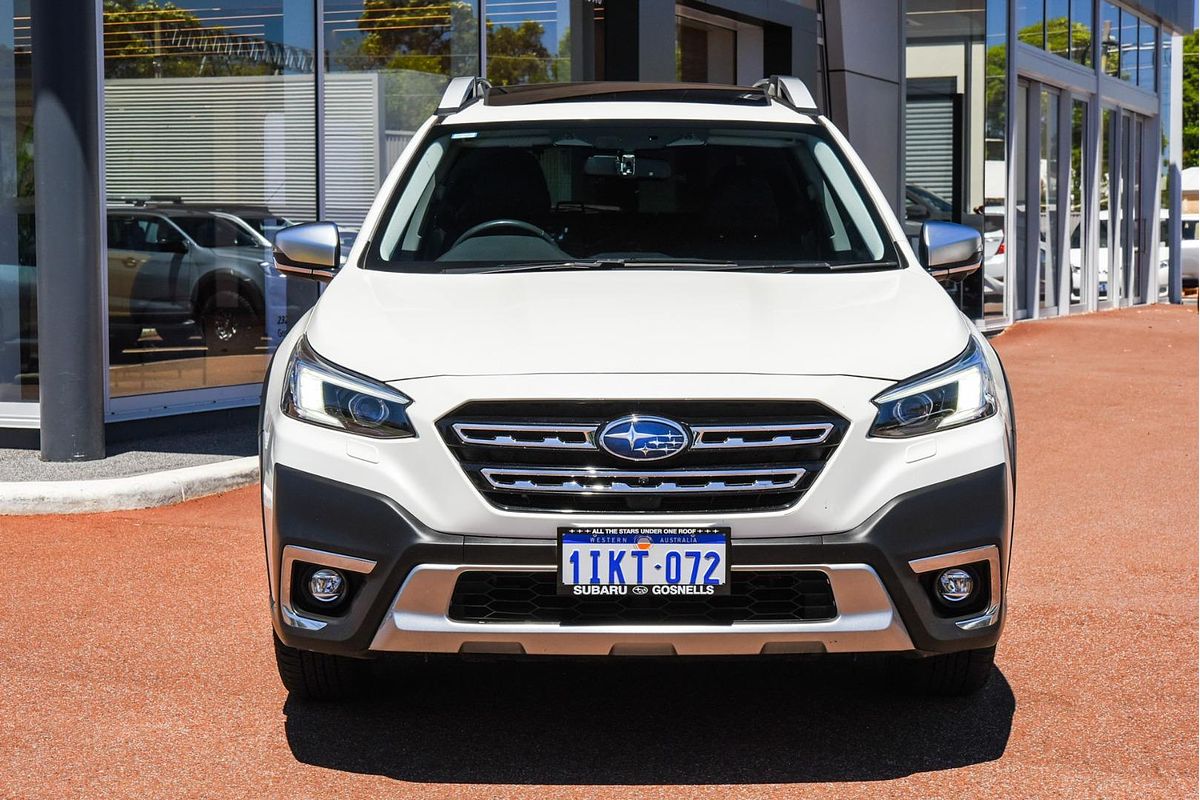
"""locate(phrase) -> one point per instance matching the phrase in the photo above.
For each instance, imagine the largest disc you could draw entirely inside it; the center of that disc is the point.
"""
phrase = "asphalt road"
(135, 653)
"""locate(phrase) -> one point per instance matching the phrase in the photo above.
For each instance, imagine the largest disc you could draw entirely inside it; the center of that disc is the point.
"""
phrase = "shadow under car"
(661, 721)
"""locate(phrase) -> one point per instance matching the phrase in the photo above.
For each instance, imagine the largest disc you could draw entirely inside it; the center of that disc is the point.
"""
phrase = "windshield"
(628, 193)
(215, 232)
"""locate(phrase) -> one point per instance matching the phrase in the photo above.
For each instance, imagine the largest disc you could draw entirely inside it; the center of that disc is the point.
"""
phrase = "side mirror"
(950, 252)
(179, 246)
(312, 250)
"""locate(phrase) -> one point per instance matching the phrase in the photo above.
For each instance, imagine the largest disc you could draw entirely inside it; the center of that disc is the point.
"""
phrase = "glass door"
(1137, 267)
(1049, 268)
(1078, 191)
(1129, 236)
(1021, 221)
(1106, 290)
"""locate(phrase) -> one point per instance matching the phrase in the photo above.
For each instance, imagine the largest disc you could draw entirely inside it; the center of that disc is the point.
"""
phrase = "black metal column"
(621, 37)
(70, 235)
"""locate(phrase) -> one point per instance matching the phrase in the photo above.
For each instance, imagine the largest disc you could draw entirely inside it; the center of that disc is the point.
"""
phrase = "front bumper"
(407, 573)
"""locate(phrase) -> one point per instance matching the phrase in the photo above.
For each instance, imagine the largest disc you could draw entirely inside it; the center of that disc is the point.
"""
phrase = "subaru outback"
(626, 370)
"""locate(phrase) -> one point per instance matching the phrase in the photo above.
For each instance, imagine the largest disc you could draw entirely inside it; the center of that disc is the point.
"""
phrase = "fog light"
(327, 586)
(955, 585)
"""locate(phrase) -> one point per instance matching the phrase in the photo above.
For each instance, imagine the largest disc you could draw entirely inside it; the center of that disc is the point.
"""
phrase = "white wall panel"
(246, 140)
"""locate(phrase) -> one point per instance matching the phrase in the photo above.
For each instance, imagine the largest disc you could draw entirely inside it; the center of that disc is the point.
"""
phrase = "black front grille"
(765, 596)
(560, 468)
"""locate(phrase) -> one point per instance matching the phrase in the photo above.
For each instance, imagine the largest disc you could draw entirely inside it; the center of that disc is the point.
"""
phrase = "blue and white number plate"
(664, 562)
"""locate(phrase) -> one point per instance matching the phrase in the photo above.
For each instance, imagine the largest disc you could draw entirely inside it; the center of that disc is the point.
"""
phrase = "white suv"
(631, 370)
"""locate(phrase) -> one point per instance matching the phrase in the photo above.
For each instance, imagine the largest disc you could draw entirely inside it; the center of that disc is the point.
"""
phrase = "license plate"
(664, 562)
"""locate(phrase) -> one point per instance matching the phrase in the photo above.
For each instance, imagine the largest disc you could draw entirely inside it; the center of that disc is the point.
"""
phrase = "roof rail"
(461, 92)
(790, 90)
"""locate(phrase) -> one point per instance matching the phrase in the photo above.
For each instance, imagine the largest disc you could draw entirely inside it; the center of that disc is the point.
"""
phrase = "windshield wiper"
(602, 263)
(680, 264)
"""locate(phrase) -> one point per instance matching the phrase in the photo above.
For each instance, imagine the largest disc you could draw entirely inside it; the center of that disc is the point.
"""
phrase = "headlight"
(320, 393)
(960, 392)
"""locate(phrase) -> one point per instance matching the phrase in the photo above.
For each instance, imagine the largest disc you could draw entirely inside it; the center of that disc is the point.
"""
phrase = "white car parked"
(629, 370)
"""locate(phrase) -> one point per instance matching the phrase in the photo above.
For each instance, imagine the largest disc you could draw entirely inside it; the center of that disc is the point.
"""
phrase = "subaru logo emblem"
(643, 438)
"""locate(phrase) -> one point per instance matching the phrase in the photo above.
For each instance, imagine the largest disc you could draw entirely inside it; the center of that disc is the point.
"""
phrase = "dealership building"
(174, 138)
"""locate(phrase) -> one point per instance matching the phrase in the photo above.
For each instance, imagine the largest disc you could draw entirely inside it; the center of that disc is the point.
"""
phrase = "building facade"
(1054, 126)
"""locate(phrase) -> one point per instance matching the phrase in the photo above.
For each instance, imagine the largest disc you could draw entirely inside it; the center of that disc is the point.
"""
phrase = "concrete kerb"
(128, 493)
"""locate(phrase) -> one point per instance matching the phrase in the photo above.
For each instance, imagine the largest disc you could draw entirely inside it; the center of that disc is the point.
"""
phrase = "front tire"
(948, 674)
(320, 676)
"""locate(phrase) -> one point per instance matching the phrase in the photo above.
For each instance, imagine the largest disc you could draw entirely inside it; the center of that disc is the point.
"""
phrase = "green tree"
(1191, 99)
(560, 70)
(515, 54)
(405, 34)
(136, 35)
(139, 42)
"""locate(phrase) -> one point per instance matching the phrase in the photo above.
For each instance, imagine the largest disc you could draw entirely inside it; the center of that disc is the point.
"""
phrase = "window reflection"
(1031, 22)
(1110, 39)
(1107, 183)
(954, 101)
(387, 64)
(1147, 37)
(995, 164)
(1081, 32)
(704, 53)
(1164, 115)
(1058, 27)
(1080, 255)
(18, 278)
(209, 115)
(1129, 46)
(528, 41)
(1048, 255)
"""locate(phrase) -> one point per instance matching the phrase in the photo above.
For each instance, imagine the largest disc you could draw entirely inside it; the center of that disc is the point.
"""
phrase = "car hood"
(396, 326)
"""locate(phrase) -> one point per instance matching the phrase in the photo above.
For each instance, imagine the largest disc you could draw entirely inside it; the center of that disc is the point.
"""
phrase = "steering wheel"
(525, 227)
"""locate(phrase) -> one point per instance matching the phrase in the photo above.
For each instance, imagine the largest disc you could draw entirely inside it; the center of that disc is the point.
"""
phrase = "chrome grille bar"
(558, 436)
(616, 481)
(760, 435)
(570, 436)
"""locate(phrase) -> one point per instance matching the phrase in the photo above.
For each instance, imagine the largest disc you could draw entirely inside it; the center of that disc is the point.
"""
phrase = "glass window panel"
(1107, 181)
(1136, 270)
(1080, 255)
(1058, 27)
(1164, 115)
(1048, 257)
(387, 64)
(704, 53)
(210, 119)
(1147, 39)
(1031, 20)
(947, 65)
(1125, 216)
(528, 41)
(1081, 32)
(1110, 38)
(995, 164)
(18, 278)
(1021, 201)
(1129, 46)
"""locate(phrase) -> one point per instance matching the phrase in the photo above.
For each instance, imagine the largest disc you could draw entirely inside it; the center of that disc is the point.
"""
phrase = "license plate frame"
(670, 539)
